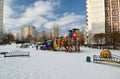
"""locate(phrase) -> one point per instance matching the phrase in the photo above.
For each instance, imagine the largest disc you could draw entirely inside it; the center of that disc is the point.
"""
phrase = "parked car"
(117, 47)
(107, 47)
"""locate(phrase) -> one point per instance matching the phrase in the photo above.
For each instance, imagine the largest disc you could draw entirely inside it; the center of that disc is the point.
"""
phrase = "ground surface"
(56, 65)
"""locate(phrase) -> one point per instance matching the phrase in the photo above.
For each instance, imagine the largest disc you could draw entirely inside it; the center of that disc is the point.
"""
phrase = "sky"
(44, 14)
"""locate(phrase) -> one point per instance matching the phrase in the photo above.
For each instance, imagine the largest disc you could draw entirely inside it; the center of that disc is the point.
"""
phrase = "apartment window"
(115, 24)
(115, 18)
(107, 19)
(114, 7)
(86, 20)
(107, 8)
(87, 24)
(115, 12)
(114, 2)
(107, 24)
(107, 14)
(108, 29)
(115, 29)
(107, 3)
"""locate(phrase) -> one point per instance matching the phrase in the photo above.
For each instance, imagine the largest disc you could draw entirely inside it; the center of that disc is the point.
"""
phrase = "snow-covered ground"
(56, 65)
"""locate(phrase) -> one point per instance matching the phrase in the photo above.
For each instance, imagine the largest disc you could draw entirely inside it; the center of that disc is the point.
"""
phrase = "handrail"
(113, 57)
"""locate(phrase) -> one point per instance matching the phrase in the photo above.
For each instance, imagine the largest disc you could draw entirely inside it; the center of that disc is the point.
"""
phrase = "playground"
(69, 43)
(45, 64)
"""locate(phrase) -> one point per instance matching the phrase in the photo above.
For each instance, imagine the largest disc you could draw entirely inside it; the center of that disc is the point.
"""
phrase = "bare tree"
(115, 38)
(29, 38)
(99, 38)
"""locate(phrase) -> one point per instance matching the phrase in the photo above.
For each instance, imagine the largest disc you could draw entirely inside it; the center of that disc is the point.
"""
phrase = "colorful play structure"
(69, 43)
(106, 57)
(46, 45)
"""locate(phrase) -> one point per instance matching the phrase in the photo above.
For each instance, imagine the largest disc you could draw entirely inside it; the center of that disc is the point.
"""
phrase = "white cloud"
(33, 14)
(50, 24)
(7, 2)
(8, 12)
(39, 21)
(38, 14)
(68, 19)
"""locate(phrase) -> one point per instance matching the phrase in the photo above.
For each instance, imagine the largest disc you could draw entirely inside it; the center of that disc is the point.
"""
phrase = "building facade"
(112, 17)
(102, 16)
(1, 20)
(28, 31)
(55, 32)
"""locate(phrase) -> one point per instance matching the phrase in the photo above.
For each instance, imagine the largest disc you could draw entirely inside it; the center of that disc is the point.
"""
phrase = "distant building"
(39, 34)
(43, 34)
(55, 31)
(102, 16)
(28, 30)
(1, 20)
(48, 34)
(17, 36)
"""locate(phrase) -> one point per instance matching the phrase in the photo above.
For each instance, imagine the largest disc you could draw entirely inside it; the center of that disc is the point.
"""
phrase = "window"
(108, 29)
(87, 24)
(107, 14)
(115, 18)
(107, 19)
(86, 20)
(115, 24)
(107, 24)
(115, 12)
(114, 7)
(115, 29)
(107, 8)
(114, 2)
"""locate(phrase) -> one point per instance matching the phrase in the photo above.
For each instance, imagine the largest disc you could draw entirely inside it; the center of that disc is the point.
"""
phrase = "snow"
(56, 65)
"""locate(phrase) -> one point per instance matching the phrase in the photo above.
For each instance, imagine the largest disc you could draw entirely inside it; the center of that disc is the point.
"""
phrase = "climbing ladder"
(112, 59)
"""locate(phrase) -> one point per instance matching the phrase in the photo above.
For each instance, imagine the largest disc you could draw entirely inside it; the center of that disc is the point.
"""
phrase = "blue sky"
(44, 14)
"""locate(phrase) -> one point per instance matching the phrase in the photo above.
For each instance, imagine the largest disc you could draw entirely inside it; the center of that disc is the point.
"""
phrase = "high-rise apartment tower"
(102, 16)
(1, 20)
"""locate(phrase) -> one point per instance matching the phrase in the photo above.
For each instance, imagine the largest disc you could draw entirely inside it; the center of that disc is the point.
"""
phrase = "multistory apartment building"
(17, 36)
(39, 34)
(112, 17)
(28, 30)
(1, 20)
(95, 17)
(44, 34)
(55, 31)
(102, 16)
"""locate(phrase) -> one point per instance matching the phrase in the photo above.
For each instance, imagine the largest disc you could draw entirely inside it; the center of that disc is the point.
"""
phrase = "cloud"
(68, 19)
(8, 12)
(40, 14)
(33, 14)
